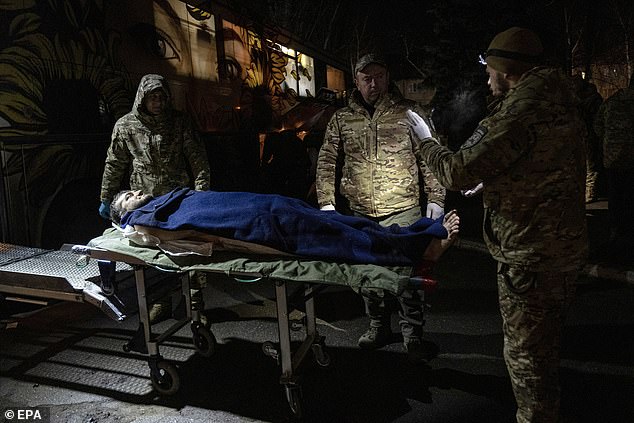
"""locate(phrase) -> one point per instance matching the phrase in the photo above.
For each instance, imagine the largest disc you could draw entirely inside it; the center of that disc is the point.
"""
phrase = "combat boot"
(378, 335)
(161, 310)
(417, 349)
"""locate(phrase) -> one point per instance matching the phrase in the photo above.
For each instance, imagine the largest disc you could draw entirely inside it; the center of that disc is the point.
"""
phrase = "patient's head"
(125, 201)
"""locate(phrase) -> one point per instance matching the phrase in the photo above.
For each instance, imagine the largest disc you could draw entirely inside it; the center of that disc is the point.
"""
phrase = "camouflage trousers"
(411, 301)
(533, 308)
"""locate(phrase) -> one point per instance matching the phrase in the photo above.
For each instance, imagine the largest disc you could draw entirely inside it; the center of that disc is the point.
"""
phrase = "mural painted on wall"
(96, 52)
(57, 74)
(69, 69)
(263, 68)
(58, 84)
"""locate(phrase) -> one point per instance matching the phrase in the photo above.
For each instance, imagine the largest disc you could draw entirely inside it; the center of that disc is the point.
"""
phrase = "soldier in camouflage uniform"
(158, 148)
(614, 124)
(156, 144)
(369, 166)
(529, 154)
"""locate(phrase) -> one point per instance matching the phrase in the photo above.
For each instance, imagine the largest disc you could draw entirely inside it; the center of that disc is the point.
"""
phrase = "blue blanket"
(288, 225)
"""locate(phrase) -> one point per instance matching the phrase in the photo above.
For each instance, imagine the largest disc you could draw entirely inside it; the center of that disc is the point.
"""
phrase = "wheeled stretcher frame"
(164, 374)
(39, 276)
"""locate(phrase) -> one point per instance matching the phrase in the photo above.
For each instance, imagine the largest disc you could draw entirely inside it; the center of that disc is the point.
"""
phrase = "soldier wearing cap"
(369, 165)
(529, 154)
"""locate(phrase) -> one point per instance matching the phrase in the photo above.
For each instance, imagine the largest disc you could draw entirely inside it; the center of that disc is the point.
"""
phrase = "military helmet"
(514, 51)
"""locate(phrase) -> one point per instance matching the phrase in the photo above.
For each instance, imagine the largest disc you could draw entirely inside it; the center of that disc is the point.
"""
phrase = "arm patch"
(477, 136)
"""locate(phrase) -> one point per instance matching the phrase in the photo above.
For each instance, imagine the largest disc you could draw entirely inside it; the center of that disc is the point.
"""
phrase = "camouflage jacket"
(529, 152)
(376, 158)
(614, 125)
(157, 151)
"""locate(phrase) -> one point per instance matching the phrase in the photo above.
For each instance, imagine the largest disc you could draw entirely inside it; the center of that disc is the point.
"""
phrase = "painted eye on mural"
(233, 68)
(154, 41)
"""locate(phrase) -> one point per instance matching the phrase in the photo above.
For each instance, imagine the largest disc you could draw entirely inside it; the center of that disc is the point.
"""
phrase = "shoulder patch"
(478, 134)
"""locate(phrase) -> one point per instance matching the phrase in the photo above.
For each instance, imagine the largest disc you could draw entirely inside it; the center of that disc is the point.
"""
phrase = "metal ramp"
(28, 274)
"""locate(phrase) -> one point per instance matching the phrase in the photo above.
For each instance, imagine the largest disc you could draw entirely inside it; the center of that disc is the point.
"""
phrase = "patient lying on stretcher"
(283, 225)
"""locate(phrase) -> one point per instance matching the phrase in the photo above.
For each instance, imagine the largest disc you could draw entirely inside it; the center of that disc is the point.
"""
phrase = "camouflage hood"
(148, 84)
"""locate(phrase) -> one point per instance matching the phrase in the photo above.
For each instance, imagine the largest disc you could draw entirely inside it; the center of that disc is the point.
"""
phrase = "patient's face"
(133, 200)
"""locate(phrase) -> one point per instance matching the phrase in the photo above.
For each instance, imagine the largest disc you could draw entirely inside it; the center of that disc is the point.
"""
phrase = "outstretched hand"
(473, 191)
(418, 125)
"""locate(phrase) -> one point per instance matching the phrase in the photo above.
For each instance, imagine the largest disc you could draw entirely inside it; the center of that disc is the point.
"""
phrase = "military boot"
(418, 350)
(378, 335)
(161, 310)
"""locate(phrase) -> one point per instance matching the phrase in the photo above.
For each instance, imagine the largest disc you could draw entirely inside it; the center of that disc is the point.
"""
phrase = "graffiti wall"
(69, 69)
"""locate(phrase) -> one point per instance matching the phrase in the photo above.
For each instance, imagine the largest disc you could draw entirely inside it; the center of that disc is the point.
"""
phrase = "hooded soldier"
(159, 147)
(157, 144)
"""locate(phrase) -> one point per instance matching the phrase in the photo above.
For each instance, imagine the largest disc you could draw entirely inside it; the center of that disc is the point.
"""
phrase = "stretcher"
(99, 272)
(313, 275)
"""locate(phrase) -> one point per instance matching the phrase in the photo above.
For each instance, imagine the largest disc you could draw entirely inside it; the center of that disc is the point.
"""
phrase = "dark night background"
(440, 41)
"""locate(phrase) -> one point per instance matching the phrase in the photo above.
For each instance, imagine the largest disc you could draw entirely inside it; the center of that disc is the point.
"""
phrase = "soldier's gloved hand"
(418, 125)
(473, 191)
(434, 211)
(104, 209)
(327, 207)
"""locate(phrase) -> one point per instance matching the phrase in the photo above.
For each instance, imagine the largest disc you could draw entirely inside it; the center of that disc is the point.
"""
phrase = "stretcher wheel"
(294, 399)
(269, 349)
(321, 355)
(296, 324)
(165, 378)
(204, 340)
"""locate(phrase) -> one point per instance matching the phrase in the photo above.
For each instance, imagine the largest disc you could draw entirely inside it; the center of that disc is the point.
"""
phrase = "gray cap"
(368, 59)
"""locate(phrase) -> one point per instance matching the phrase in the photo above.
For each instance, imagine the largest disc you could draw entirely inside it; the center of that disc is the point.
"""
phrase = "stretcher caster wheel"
(204, 340)
(165, 378)
(268, 348)
(294, 399)
(296, 324)
(321, 356)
